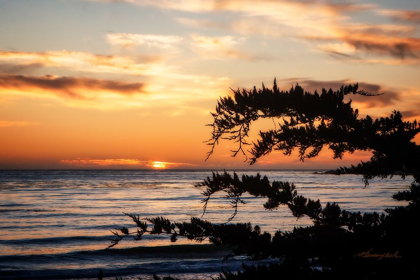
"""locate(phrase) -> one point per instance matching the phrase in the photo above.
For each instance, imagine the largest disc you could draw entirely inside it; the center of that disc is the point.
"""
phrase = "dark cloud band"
(67, 86)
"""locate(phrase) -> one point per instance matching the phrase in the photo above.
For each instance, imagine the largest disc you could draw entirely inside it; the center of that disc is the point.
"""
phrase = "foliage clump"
(339, 244)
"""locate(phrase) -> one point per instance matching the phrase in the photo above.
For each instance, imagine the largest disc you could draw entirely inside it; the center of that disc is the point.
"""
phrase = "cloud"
(66, 86)
(81, 61)
(121, 162)
(10, 68)
(107, 82)
(295, 17)
(330, 19)
(264, 6)
(348, 6)
(400, 48)
(16, 124)
(130, 40)
(411, 113)
(145, 65)
(201, 23)
(219, 47)
(389, 97)
(371, 44)
(355, 57)
(184, 5)
(405, 16)
(75, 63)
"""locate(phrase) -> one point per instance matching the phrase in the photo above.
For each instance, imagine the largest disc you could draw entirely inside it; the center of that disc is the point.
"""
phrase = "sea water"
(57, 224)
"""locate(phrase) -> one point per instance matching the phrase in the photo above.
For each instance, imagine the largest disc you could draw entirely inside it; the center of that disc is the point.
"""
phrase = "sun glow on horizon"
(121, 163)
(159, 164)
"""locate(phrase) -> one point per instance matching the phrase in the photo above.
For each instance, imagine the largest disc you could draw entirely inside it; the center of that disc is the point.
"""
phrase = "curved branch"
(313, 121)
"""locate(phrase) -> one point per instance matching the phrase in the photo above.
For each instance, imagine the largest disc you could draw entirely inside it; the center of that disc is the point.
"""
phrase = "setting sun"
(158, 164)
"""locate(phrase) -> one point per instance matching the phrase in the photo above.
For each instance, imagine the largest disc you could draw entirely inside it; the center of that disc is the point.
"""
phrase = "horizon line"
(165, 169)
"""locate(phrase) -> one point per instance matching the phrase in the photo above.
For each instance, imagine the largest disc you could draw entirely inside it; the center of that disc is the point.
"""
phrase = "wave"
(190, 250)
(174, 259)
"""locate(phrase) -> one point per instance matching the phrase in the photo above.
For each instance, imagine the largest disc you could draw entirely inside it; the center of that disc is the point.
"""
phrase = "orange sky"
(125, 84)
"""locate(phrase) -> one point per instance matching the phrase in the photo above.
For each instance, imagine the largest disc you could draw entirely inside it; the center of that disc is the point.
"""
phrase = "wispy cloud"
(347, 6)
(265, 6)
(25, 68)
(184, 5)
(82, 62)
(149, 40)
(406, 16)
(208, 47)
(415, 113)
(386, 44)
(103, 81)
(75, 63)
(399, 48)
(201, 23)
(219, 47)
(379, 43)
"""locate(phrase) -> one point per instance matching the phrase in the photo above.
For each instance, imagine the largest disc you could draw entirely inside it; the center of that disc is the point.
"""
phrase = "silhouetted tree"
(340, 244)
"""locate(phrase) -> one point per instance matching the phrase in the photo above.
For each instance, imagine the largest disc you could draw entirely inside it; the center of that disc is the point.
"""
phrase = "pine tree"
(341, 244)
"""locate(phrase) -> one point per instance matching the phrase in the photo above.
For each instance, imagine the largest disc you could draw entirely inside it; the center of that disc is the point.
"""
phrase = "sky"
(131, 83)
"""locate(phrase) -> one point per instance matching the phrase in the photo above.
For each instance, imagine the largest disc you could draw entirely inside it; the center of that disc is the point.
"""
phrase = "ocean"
(57, 224)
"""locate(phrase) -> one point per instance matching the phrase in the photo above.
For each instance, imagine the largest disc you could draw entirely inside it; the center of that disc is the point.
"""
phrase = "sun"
(158, 164)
